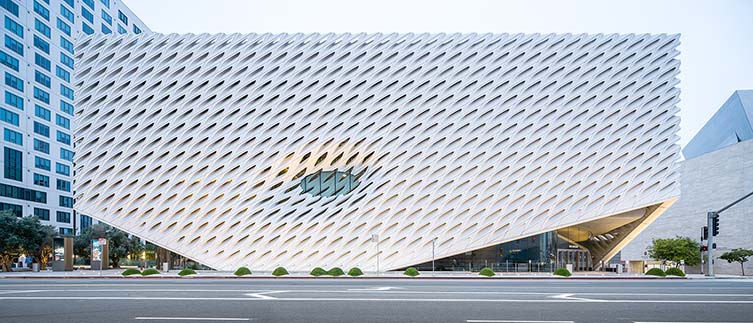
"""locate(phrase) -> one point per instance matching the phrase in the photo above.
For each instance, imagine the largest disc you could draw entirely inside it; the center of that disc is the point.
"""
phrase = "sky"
(716, 35)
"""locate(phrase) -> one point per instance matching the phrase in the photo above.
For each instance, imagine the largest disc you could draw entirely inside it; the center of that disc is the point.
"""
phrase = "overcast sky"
(716, 35)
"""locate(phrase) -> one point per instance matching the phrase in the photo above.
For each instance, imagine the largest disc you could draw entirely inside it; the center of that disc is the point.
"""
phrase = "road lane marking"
(515, 321)
(374, 289)
(162, 318)
(570, 297)
(328, 299)
(263, 295)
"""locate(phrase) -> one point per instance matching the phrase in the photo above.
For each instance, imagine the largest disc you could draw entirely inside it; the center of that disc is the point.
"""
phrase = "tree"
(738, 255)
(23, 235)
(676, 250)
(119, 244)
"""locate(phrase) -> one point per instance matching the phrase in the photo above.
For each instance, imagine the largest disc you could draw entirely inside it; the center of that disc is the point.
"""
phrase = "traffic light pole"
(711, 216)
(710, 249)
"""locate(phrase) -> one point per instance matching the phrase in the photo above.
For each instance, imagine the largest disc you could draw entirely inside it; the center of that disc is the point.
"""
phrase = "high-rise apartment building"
(36, 112)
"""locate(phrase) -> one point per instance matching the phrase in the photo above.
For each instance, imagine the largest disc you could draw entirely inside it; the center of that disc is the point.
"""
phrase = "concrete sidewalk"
(210, 274)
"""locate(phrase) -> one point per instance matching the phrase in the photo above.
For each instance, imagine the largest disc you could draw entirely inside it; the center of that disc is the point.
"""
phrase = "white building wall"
(709, 182)
(198, 143)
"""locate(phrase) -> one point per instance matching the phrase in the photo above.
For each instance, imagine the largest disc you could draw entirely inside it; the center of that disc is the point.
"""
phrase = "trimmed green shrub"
(243, 271)
(318, 271)
(412, 272)
(355, 272)
(279, 271)
(149, 271)
(186, 272)
(486, 271)
(674, 271)
(562, 272)
(656, 272)
(131, 271)
(336, 272)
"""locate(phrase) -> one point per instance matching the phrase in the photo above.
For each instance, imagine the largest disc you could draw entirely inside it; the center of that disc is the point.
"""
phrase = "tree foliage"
(738, 255)
(676, 250)
(119, 244)
(24, 236)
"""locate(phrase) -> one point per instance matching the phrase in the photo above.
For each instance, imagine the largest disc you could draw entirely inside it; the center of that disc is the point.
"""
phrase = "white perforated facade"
(200, 143)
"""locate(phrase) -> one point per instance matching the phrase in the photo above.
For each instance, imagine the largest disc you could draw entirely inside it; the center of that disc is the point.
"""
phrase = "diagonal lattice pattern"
(200, 143)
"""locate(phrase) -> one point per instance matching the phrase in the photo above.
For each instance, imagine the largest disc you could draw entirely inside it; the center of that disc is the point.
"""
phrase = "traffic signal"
(704, 248)
(705, 233)
(715, 222)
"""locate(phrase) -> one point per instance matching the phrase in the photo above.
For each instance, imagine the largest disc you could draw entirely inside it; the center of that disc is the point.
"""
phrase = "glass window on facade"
(42, 62)
(14, 27)
(21, 193)
(67, 14)
(87, 15)
(63, 137)
(42, 78)
(106, 17)
(62, 169)
(122, 17)
(41, 180)
(63, 217)
(41, 163)
(41, 129)
(14, 45)
(328, 183)
(41, 95)
(66, 60)
(62, 73)
(63, 185)
(66, 91)
(66, 107)
(13, 164)
(13, 136)
(62, 121)
(14, 82)
(9, 116)
(66, 201)
(64, 27)
(41, 44)
(41, 10)
(42, 28)
(15, 209)
(87, 29)
(42, 214)
(66, 154)
(41, 146)
(14, 100)
(8, 61)
(41, 112)
(106, 30)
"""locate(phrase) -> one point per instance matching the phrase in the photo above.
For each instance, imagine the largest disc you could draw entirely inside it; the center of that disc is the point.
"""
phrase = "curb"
(134, 277)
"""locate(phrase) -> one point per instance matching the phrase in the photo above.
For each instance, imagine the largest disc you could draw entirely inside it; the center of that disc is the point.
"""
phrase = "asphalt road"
(353, 300)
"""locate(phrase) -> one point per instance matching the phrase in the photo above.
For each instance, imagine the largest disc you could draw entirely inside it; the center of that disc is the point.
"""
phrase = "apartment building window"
(66, 44)
(41, 163)
(122, 17)
(136, 29)
(14, 45)
(42, 62)
(67, 14)
(87, 15)
(41, 44)
(42, 78)
(62, 26)
(63, 217)
(13, 136)
(41, 27)
(41, 95)
(14, 100)
(41, 129)
(87, 29)
(14, 82)
(22, 193)
(66, 91)
(16, 210)
(41, 10)
(66, 107)
(41, 146)
(106, 17)
(62, 74)
(66, 60)
(41, 180)
(66, 154)
(62, 169)
(63, 185)
(42, 113)
(106, 30)
(9, 61)
(62, 121)
(42, 214)
(89, 3)
(14, 27)
(66, 201)
(121, 30)
(9, 116)
(63, 137)
(13, 164)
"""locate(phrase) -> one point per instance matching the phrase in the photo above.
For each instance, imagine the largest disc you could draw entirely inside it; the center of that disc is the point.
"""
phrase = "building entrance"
(580, 259)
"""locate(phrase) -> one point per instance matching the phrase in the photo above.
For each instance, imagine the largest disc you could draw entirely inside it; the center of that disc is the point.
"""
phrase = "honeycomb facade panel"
(296, 149)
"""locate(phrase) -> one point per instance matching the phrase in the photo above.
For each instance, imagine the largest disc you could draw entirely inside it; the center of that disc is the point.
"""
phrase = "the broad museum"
(379, 150)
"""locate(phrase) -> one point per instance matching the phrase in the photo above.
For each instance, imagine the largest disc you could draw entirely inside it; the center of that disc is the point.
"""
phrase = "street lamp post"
(433, 241)
(375, 238)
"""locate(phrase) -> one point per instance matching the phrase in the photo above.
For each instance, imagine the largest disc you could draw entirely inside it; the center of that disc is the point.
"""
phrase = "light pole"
(433, 241)
(375, 238)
